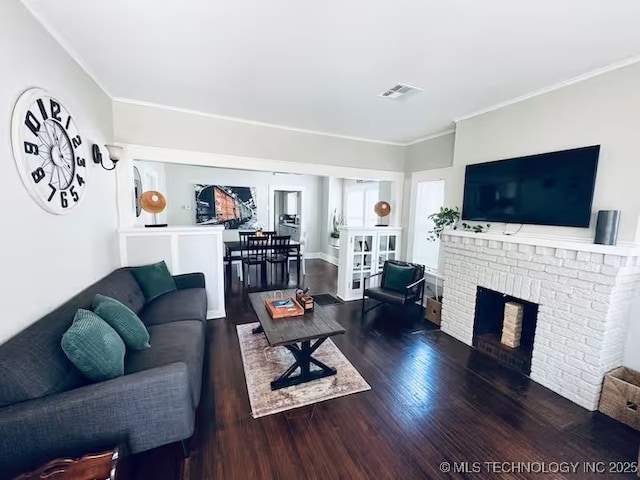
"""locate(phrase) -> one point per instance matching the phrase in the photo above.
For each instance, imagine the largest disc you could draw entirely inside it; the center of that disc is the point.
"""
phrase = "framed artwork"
(233, 207)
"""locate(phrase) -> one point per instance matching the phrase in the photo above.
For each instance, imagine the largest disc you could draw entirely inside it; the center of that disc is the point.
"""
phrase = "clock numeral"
(43, 111)
(63, 199)
(31, 148)
(55, 110)
(80, 161)
(32, 123)
(38, 174)
(53, 192)
(80, 180)
(77, 141)
(66, 125)
(74, 194)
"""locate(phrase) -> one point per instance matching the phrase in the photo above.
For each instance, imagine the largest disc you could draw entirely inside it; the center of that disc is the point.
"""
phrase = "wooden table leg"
(304, 359)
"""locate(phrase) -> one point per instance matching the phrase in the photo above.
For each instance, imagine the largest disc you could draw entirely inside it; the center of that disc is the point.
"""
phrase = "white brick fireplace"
(584, 292)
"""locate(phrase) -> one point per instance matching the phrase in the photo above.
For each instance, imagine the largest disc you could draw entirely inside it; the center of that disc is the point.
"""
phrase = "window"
(429, 199)
(360, 199)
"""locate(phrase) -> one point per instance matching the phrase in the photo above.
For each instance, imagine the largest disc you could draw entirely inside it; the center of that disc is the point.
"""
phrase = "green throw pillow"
(94, 347)
(397, 277)
(123, 320)
(154, 280)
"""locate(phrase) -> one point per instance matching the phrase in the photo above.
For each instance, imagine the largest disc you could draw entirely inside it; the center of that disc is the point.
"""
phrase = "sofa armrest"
(144, 410)
(189, 280)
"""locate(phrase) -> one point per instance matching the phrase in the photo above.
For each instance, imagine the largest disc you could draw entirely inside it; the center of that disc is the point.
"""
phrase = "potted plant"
(449, 217)
(336, 221)
(442, 219)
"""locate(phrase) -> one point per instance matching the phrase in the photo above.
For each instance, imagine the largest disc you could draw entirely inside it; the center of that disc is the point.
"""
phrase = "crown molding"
(249, 122)
(430, 137)
(66, 47)
(580, 78)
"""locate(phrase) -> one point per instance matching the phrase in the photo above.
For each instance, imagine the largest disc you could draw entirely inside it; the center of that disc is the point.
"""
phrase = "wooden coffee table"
(297, 335)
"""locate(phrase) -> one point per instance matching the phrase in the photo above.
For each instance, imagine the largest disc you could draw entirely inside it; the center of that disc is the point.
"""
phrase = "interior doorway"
(286, 211)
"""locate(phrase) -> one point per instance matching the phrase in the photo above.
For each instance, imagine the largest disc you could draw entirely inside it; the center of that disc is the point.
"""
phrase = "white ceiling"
(319, 65)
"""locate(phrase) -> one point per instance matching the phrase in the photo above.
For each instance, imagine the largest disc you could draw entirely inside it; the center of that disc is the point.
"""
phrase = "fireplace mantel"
(581, 245)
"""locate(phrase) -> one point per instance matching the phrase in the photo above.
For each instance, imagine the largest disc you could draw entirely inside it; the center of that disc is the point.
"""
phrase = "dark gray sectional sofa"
(49, 409)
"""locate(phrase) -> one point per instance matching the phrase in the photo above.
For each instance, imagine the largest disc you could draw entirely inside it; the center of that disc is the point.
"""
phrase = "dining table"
(234, 249)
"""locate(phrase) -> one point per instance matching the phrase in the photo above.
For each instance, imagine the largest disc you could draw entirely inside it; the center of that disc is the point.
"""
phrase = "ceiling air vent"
(398, 91)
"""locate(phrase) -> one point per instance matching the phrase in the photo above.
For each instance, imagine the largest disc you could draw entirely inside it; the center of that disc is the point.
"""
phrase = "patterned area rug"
(263, 363)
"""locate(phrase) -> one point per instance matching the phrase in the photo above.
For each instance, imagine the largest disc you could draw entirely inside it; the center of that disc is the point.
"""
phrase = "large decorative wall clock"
(49, 151)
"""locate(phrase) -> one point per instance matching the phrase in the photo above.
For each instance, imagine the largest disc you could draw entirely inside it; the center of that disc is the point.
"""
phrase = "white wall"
(160, 127)
(48, 258)
(435, 152)
(332, 193)
(602, 110)
(181, 179)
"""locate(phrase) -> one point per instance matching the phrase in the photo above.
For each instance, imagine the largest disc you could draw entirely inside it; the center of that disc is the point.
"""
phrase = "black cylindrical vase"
(607, 227)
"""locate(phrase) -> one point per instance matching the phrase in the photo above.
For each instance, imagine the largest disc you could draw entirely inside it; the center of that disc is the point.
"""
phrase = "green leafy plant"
(442, 219)
(449, 217)
(475, 228)
(336, 222)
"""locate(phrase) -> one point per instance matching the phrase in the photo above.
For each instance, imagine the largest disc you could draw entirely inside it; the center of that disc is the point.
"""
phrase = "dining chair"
(293, 254)
(279, 253)
(254, 252)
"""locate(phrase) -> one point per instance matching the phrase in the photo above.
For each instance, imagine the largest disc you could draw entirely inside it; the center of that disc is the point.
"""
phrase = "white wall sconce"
(115, 153)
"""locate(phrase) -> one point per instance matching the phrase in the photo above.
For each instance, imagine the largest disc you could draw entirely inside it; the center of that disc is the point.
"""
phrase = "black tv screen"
(547, 189)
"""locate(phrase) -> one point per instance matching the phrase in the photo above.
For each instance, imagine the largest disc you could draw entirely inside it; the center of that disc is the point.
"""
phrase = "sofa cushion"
(173, 342)
(94, 347)
(154, 279)
(187, 304)
(122, 320)
(32, 363)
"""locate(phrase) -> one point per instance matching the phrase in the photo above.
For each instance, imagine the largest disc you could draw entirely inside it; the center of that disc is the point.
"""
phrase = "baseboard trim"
(328, 258)
(220, 313)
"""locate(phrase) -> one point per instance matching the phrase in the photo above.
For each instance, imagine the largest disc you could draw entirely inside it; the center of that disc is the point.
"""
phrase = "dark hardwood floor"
(432, 400)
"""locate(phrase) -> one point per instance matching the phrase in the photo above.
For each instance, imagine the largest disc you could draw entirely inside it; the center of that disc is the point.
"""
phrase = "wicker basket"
(620, 397)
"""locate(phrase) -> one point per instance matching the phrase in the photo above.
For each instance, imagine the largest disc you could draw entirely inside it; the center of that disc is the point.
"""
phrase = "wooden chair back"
(255, 250)
(245, 235)
(279, 248)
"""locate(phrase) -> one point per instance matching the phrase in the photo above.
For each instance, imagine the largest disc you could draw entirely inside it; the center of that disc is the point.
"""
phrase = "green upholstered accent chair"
(401, 284)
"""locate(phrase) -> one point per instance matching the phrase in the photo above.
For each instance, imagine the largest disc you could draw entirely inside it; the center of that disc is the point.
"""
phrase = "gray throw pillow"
(123, 320)
(154, 280)
(94, 347)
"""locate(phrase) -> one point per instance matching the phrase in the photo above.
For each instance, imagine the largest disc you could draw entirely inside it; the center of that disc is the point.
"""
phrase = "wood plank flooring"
(432, 400)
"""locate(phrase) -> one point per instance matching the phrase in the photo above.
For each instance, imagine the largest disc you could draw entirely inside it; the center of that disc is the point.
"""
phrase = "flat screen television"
(548, 189)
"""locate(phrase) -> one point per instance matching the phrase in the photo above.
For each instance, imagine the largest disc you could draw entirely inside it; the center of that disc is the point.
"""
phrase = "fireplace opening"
(504, 328)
